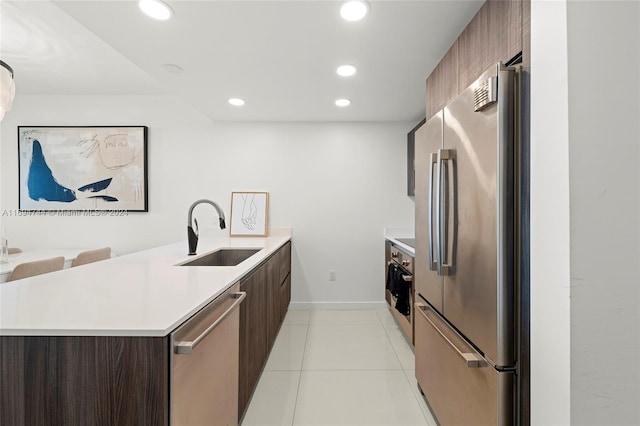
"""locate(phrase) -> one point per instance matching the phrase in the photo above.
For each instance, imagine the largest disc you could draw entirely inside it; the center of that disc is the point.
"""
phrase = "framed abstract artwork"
(249, 214)
(83, 168)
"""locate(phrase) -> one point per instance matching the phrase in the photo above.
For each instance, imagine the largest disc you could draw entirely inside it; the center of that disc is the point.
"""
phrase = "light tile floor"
(339, 368)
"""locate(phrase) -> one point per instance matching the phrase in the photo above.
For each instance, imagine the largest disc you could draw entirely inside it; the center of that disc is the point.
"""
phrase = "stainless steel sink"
(222, 257)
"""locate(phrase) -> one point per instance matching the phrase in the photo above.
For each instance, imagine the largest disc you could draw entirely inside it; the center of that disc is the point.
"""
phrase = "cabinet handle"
(185, 348)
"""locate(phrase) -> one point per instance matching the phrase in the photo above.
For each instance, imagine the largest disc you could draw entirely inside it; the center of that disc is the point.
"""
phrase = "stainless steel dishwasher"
(204, 364)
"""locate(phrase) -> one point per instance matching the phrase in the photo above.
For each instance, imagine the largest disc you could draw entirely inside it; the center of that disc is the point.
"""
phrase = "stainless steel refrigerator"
(465, 266)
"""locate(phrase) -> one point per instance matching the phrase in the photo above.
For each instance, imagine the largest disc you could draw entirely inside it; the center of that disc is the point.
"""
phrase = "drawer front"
(462, 389)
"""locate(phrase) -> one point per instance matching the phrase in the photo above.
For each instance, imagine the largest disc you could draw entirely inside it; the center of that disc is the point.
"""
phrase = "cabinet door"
(411, 155)
(253, 335)
(273, 299)
(284, 283)
(285, 296)
(260, 317)
(284, 262)
(494, 35)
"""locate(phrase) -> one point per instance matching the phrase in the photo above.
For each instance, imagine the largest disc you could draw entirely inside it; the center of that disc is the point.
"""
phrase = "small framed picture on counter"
(249, 214)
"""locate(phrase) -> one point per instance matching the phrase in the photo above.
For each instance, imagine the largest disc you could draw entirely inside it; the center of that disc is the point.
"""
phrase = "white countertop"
(140, 294)
(392, 234)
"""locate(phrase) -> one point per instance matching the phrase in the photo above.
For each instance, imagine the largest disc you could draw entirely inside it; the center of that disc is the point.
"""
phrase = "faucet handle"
(195, 228)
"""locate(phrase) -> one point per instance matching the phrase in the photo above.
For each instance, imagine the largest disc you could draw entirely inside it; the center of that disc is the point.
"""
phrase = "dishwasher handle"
(185, 348)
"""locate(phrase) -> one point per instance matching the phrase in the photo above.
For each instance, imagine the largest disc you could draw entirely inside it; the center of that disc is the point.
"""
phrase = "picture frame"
(83, 168)
(249, 214)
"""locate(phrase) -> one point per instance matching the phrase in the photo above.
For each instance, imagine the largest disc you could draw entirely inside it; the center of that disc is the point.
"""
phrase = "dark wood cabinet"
(495, 34)
(273, 300)
(283, 260)
(98, 380)
(442, 84)
(284, 280)
(253, 336)
(285, 296)
(411, 155)
(124, 381)
(268, 291)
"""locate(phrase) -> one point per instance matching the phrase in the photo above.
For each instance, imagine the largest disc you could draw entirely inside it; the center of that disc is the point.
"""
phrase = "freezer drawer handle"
(471, 360)
(433, 264)
(185, 348)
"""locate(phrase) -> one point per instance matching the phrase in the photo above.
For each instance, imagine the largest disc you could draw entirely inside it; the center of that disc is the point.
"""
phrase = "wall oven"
(399, 290)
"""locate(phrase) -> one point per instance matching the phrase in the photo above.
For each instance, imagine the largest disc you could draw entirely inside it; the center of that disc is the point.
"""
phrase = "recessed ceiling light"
(156, 9)
(343, 102)
(236, 101)
(354, 10)
(173, 68)
(346, 70)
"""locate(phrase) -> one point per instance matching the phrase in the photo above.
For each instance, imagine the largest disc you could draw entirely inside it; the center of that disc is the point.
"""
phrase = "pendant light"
(7, 88)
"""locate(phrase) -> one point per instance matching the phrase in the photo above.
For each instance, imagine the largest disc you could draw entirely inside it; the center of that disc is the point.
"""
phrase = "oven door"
(399, 295)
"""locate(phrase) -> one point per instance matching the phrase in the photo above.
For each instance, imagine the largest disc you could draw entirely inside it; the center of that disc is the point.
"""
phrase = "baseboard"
(300, 306)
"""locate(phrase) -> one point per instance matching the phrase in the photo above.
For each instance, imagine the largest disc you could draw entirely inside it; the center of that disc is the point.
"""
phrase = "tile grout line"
(386, 333)
(404, 373)
(388, 339)
(304, 351)
(416, 396)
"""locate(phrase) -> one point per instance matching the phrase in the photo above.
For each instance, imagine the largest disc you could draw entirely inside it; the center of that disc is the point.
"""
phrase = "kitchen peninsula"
(92, 345)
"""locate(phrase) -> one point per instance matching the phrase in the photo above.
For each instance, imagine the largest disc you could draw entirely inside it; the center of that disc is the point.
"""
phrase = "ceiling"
(279, 56)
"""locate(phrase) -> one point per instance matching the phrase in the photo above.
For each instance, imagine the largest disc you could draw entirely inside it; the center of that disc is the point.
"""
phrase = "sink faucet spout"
(192, 231)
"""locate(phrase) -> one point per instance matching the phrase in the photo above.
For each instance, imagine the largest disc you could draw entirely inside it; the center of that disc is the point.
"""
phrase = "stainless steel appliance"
(204, 364)
(400, 269)
(465, 316)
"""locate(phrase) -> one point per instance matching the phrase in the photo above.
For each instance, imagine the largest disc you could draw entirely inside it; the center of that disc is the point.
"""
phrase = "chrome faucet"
(192, 234)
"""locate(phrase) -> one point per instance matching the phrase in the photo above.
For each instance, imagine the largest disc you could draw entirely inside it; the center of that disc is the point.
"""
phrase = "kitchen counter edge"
(201, 286)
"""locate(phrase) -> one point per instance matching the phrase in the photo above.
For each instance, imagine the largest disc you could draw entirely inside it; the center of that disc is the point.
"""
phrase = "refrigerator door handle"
(433, 263)
(470, 359)
(445, 264)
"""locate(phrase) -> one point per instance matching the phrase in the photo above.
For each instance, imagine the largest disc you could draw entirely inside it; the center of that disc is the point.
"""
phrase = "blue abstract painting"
(83, 168)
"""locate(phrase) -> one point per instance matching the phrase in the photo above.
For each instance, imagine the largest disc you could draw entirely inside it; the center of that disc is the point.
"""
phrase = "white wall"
(336, 184)
(604, 148)
(585, 217)
(550, 338)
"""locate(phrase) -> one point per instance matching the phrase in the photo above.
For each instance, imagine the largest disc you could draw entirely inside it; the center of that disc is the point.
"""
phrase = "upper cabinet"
(411, 170)
(495, 34)
(442, 84)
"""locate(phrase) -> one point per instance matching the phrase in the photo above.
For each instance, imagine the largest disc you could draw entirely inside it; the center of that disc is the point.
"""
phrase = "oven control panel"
(402, 258)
